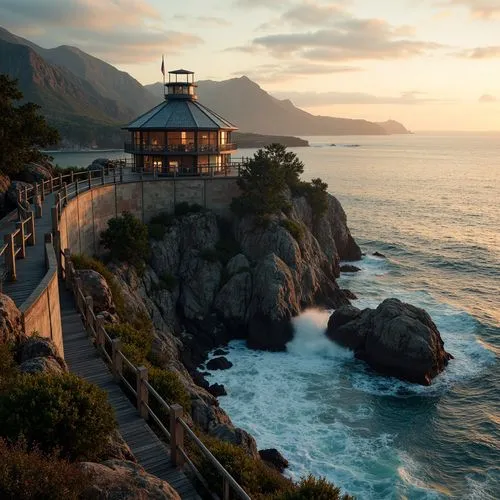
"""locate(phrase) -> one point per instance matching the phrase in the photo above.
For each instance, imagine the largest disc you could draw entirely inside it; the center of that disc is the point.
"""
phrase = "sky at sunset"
(431, 64)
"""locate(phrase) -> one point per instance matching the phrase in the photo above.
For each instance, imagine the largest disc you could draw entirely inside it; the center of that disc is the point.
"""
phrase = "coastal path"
(84, 360)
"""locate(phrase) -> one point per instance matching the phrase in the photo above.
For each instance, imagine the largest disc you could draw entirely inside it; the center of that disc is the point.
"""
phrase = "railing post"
(102, 176)
(99, 332)
(89, 309)
(10, 257)
(38, 206)
(32, 239)
(90, 179)
(142, 392)
(176, 435)
(225, 489)
(116, 359)
(51, 184)
(114, 175)
(60, 181)
(22, 243)
(121, 174)
(67, 268)
(25, 194)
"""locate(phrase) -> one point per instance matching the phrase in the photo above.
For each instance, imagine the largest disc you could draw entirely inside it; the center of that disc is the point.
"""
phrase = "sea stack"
(395, 339)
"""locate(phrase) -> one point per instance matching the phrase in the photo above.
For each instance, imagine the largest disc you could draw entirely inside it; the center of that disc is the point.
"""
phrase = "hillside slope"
(252, 109)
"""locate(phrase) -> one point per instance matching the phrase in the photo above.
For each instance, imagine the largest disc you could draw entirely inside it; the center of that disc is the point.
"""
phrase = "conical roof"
(180, 114)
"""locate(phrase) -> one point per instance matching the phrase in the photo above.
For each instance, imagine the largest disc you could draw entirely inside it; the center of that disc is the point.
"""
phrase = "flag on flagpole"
(162, 65)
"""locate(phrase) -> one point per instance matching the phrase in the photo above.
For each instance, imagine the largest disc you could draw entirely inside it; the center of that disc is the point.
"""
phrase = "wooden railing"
(176, 429)
(15, 243)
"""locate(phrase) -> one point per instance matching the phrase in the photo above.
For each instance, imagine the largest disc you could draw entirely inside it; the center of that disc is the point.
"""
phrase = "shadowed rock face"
(11, 329)
(120, 479)
(397, 339)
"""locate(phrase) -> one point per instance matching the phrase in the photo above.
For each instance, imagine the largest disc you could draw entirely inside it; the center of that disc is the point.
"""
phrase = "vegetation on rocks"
(169, 387)
(30, 475)
(82, 261)
(126, 239)
(139, 340)
(23, 130)
(293, 227)
(57, 413)
(265, 179)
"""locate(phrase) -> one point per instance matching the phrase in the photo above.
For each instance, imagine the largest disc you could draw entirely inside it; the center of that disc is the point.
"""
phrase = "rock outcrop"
(396, 339)
(38, 354)
(5, 206)
(116, 479)
(95, 286)
(35, 172)
(274, 458)
(11, 328)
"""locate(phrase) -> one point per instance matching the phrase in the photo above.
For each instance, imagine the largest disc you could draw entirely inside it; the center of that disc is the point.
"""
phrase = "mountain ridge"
(88, 100)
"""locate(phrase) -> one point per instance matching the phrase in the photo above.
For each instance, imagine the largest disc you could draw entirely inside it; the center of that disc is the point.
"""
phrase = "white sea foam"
(320, 406)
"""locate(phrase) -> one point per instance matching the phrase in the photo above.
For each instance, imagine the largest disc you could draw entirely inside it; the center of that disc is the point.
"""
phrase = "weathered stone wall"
(41, 312)
(85, 217)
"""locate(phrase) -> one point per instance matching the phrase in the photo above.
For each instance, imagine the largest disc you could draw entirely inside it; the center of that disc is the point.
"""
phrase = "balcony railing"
(178, 148)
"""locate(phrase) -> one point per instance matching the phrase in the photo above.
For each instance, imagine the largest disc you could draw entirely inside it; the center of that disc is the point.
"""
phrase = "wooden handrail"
(177, 427)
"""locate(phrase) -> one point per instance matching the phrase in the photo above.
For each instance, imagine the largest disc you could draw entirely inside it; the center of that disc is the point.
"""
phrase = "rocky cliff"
(211, 280)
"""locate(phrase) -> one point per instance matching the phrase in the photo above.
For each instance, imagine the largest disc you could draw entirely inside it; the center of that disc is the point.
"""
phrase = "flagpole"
(163, 71)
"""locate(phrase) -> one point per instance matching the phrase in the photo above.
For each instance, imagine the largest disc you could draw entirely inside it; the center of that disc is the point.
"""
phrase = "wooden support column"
(116, 359)
(32, 239)
(22, 243)
(10, 257)
(176, 435)
(89, 309)
(142, 392)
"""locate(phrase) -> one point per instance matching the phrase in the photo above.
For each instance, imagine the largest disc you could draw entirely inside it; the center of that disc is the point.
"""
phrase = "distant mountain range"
(89, 99)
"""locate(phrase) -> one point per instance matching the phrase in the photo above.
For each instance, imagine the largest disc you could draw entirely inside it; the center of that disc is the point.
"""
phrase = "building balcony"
(178, 148)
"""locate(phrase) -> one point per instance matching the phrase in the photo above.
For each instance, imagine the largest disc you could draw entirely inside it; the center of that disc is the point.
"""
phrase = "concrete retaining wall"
(85, 217)
(41, 312)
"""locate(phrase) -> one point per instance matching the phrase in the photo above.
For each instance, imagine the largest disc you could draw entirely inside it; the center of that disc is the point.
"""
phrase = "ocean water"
(431, 204)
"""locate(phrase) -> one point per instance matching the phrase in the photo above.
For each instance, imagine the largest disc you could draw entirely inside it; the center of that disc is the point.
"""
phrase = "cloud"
(347, 40)
(312, 14)
(206, 20)
(482, 9)
(487, 98)
(317, 99)
(119, 31)
(272, 73)
(490, 52)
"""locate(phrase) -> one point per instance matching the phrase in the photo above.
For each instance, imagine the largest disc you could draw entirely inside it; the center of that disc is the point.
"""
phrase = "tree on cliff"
(264, 179)
(23, 130)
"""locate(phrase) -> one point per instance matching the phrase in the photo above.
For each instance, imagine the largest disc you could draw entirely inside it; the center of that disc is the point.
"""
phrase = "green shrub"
(311, 488)
(140, 339)
(209, 254)
(170, 388)
(31, 475)
(57, 412)
(185, 208)
(127, 240)
(8, 368)
(254, 476)
(82, 261)
(293, 227)
(316, 195)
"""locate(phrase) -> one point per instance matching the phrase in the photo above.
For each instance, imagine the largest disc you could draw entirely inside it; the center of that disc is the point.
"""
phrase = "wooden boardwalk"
(31, 269)
(84, 361)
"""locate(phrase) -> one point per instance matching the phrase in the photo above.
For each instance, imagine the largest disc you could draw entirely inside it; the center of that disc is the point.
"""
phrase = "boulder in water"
(217, 390)
(396, 339)
(378, 254)
(349, 268)
(220, 363)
